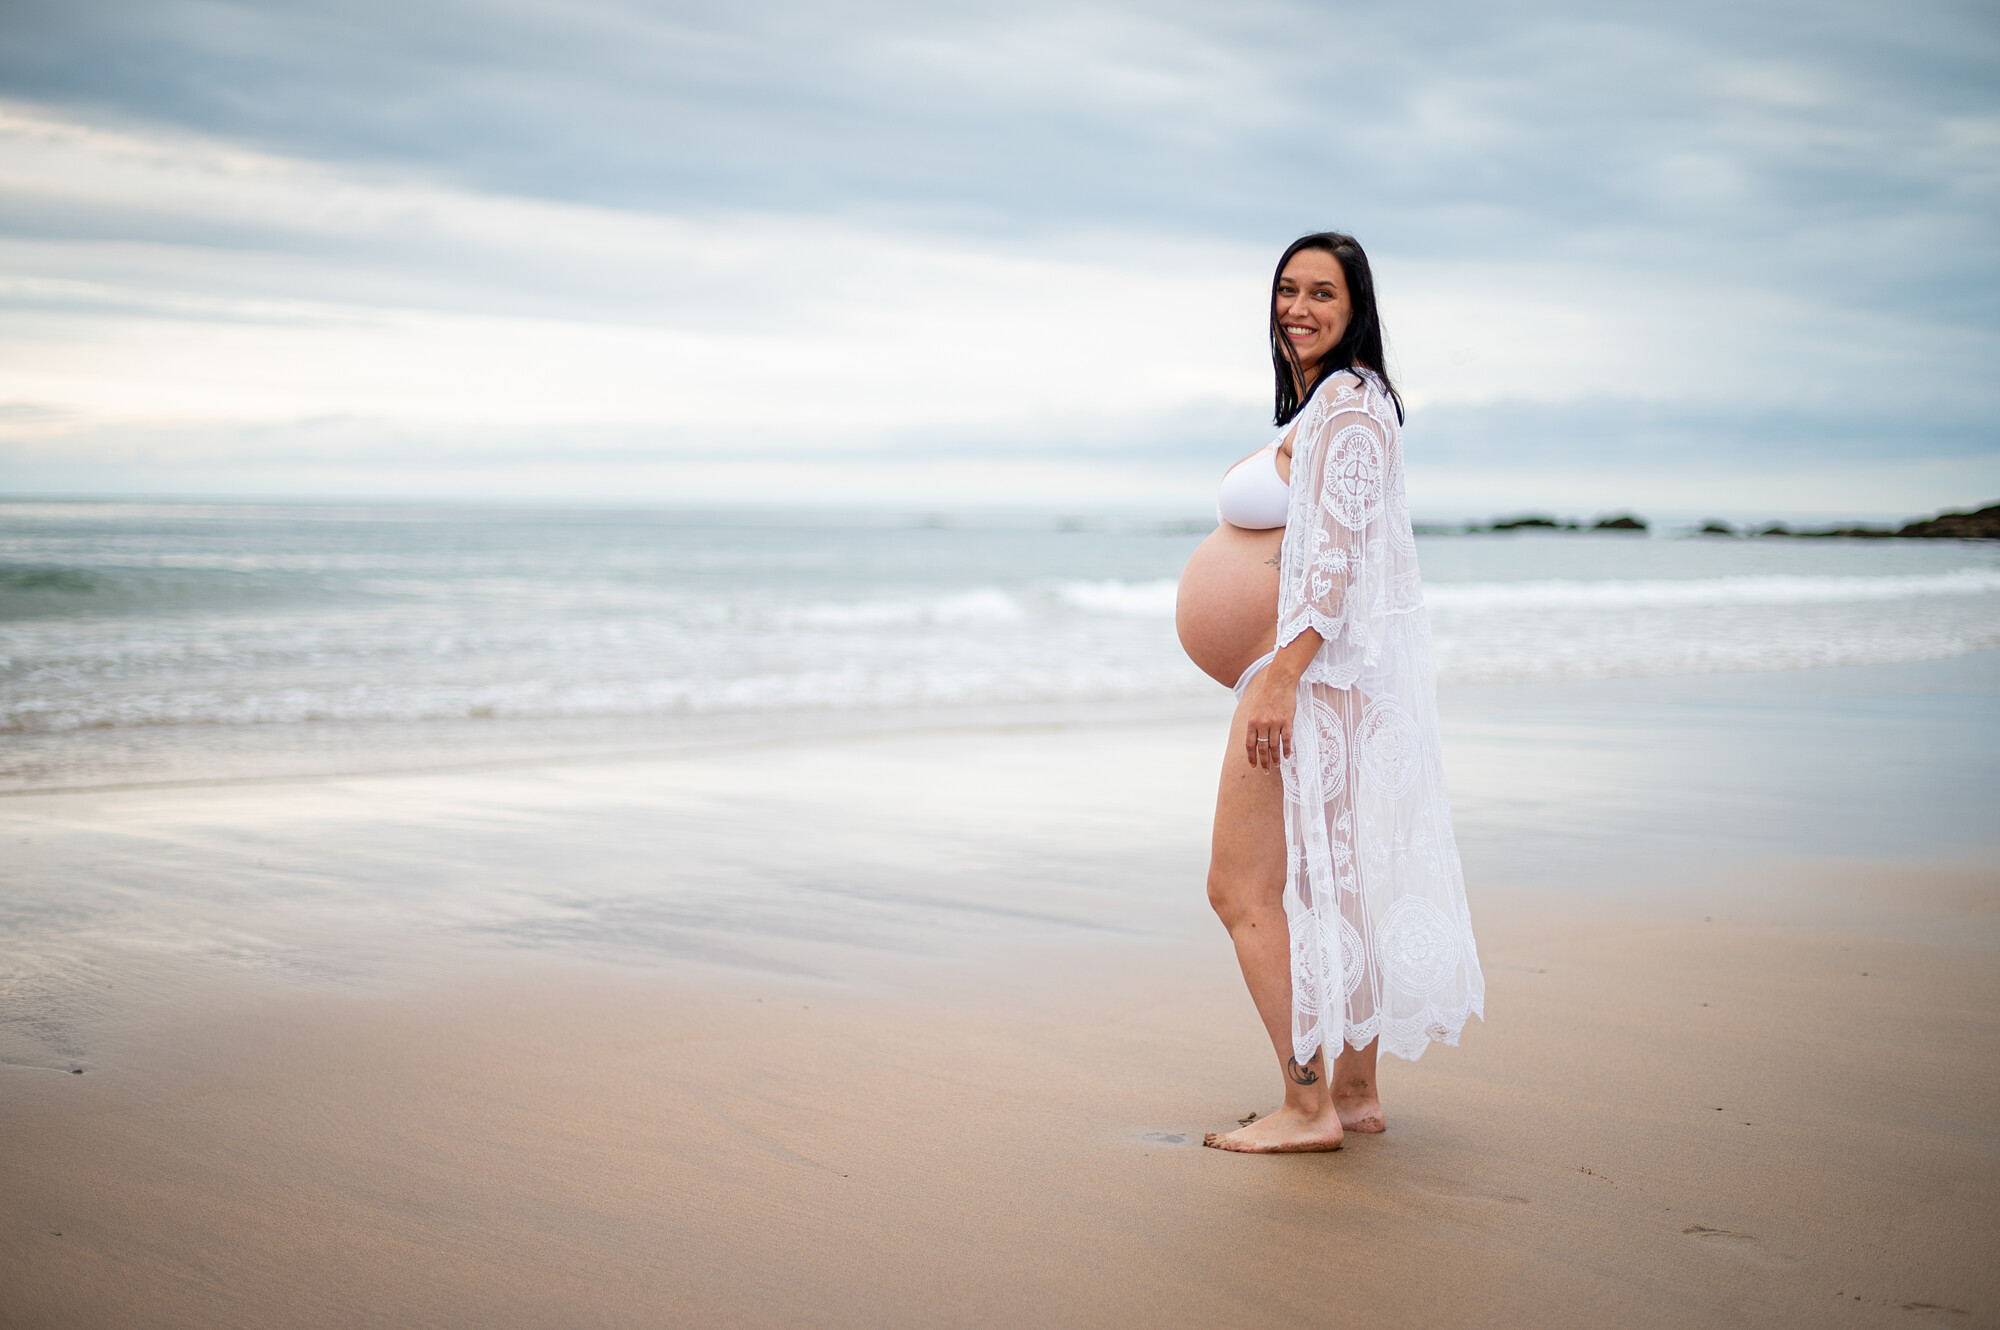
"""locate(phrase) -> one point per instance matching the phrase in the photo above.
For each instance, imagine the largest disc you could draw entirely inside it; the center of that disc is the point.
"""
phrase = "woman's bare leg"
(1246, 885)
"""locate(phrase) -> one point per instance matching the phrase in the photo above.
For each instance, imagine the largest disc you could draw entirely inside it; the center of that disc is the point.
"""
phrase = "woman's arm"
(1273, 697)
(1339, 464)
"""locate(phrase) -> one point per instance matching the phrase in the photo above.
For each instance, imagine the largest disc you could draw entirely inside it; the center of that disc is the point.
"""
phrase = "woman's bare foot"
(1354, 1096)
(1287, 1131)
(1359, 1112)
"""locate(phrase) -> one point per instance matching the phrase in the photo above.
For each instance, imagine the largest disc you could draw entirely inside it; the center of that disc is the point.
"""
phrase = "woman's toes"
(1278, 1134)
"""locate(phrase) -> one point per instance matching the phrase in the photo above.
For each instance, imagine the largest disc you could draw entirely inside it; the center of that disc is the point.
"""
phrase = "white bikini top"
(1253, 496)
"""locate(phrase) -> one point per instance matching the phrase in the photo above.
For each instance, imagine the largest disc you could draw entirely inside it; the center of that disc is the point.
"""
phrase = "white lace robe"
(1381, 937)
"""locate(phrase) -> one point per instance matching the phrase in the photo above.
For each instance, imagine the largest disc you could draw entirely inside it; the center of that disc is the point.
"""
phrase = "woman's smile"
(1313, 307)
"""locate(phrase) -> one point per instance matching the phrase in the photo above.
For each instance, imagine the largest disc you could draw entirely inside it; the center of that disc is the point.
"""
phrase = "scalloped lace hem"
(1327, 626)
(1409, 1036)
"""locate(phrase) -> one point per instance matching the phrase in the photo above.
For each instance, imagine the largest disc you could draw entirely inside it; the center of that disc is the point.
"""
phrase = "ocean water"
(144, 641)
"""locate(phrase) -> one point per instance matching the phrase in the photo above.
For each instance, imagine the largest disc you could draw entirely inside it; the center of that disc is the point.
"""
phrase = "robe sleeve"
(1330, 565)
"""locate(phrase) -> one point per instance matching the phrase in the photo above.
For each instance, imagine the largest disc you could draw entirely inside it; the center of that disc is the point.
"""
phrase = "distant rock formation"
(1524, 524)
(1829, 532)
(1981, 525)
(1538, 522)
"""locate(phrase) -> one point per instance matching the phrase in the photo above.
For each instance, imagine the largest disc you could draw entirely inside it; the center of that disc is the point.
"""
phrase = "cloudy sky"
(1728, 258)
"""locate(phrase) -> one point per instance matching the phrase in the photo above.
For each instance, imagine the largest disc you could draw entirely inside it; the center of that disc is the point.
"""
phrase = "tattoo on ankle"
(1298, 1075)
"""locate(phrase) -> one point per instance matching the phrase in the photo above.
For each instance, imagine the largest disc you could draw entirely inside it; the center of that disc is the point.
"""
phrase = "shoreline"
(410, 748)
(255, 754)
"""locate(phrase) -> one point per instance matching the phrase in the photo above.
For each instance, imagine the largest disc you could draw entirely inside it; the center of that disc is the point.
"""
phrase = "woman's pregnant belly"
(1227, 612)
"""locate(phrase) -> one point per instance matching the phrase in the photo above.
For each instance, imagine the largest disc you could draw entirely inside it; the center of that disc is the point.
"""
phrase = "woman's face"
(1313, 307)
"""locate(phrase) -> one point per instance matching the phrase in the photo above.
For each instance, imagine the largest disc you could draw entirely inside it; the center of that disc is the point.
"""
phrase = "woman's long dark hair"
(1360, 345)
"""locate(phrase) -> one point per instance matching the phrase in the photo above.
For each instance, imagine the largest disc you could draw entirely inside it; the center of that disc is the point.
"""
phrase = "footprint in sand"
(1459, 1191)
(1164, 1138)
(1743, 1246)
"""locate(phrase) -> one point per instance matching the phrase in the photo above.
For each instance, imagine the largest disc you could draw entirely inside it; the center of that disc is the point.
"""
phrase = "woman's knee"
(1222, 896)
(1235, 894)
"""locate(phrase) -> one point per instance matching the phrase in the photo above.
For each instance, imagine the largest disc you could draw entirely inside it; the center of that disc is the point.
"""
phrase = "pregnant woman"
(1333, 867)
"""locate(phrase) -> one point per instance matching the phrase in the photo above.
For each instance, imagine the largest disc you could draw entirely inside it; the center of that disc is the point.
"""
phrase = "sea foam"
(142, 620)
(1772, 589)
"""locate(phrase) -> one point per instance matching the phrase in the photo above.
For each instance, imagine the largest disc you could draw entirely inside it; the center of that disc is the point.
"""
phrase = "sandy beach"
(619, 622)
(880, 1030)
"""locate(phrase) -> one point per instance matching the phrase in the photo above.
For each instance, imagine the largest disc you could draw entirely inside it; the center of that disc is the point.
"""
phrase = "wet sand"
(907, 1031)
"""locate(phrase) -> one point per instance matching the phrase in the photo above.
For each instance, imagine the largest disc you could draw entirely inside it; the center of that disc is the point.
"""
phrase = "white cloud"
(1482, 333)
(179, 311)
(334, 293)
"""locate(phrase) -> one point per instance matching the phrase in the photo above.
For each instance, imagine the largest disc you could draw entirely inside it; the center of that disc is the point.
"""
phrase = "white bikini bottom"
(1251, 673)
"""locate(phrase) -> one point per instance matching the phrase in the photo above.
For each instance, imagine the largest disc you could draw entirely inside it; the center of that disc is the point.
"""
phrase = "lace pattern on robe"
(1381, 938)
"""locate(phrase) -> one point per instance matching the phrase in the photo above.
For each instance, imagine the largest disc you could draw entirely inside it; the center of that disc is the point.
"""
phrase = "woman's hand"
(1271, 700)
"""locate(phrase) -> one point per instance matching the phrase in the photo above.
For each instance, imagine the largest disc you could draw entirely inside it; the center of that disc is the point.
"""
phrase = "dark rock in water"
(1982, 525)
(1829, 532)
